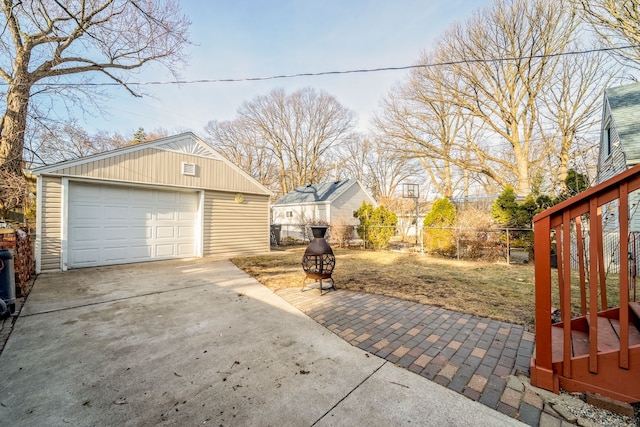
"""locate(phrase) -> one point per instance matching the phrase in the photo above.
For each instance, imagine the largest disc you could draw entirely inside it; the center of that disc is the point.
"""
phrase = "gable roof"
(184, 143)
(624, 107)
(316, 193)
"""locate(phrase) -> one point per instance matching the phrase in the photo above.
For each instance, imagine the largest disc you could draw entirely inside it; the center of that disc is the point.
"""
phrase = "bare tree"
(503, 62)
(420, 121)
(13, 192)
(570, 111)
(354, 158)
(380, 167)
(616, 21)
(241, 144)
(46, 42)
(60, 141)
(299, 130)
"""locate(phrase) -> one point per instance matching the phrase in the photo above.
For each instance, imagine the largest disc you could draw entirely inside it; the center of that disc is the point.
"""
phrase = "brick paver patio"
(471, 355)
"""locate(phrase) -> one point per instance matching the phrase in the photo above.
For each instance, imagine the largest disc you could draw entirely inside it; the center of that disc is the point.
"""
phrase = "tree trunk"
(14, 122)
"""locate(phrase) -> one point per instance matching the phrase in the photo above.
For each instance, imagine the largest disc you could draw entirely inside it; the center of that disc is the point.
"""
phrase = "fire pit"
(318, 260)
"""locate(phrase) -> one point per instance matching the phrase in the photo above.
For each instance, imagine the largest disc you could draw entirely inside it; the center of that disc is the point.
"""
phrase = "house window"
(606, 139)
(289, 214)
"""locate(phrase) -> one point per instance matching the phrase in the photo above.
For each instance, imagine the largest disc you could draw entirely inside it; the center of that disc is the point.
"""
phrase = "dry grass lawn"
(495, 290)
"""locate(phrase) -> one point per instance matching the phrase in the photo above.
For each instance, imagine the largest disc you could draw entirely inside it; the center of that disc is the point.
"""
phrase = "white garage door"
(117, 225)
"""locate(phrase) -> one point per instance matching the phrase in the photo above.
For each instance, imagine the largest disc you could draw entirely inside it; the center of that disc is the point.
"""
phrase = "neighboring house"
(407, 223)
(175, 197)
(619, 150)
(620, 138)
(331, 203)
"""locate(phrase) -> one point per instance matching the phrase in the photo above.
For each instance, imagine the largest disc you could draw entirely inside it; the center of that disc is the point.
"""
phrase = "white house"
(620, 139)
(330, 203)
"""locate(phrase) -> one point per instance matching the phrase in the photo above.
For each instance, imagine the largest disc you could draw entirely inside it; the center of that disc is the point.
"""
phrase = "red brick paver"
(471, 355)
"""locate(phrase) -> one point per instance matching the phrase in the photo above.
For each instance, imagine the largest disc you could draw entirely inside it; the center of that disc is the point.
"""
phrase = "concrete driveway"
(195, 342)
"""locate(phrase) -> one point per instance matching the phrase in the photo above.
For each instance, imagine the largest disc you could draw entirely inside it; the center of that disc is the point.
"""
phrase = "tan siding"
(161, 167)
(232, 228)
(207, 223)
(51, 214)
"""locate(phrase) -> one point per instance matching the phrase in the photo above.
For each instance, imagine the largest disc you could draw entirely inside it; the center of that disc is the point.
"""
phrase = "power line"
(342, 72)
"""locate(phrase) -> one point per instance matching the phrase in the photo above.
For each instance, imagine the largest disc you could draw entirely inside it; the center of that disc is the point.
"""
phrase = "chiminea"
(318, 260)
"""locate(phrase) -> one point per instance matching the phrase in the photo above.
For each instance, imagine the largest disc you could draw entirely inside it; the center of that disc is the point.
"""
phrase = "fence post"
(364, 241)
(508, 248)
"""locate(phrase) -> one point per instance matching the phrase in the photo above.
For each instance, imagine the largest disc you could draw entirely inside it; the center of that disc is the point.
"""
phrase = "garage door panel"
(117, 233)
(116, 213)
(185, 249)
(166, 216)
(141, 196)
(167, 198)
(86, 212)
(82, 192)
(114, 194)
(166, 250)
(186, 216)
(165, 232)
(142, 252)
(85, 256)
(118, 224)
(115, 254)
(185, 198)
(141, 233)
(186, 232)
(142, 212)
(87, 234)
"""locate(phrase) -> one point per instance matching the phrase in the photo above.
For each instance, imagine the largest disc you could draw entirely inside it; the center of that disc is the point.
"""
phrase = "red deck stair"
(595, 347)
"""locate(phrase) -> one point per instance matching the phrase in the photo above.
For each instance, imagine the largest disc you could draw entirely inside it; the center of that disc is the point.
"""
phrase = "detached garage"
(175, 197)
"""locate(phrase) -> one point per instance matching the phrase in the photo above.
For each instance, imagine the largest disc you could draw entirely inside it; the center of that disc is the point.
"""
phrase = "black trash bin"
(275, 231)
(7, 282)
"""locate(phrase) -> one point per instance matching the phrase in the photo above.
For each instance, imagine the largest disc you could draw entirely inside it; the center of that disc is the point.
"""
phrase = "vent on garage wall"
(188, 169)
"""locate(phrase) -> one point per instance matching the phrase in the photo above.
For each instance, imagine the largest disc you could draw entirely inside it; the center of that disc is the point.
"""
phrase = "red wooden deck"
(595, 347)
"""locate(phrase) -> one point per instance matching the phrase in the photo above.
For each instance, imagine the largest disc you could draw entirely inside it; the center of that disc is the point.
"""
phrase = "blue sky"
(242, 38)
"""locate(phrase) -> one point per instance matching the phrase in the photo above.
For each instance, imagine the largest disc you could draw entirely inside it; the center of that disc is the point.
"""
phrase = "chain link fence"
(512, 245)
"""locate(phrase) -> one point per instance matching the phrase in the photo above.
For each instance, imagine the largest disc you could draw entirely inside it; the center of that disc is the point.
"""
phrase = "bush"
(383, 228)
(439, 236)
(475, 234)
(505, 209)
(342, 232)
(511, 214)
(377, 226)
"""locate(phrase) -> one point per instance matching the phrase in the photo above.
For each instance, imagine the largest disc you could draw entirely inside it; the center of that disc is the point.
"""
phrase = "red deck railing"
(576, 229)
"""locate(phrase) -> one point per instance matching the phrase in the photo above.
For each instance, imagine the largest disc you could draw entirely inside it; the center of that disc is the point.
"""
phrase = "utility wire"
(328, 73)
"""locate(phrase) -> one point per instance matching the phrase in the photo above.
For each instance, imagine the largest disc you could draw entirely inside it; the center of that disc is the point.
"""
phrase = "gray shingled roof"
(323, 192)
(624, 102)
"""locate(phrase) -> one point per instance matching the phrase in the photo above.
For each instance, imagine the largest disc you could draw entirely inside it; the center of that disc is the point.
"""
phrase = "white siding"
(610, 164)
(343, 207)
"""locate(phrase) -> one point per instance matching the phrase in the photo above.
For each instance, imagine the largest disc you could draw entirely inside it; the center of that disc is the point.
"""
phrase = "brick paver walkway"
(471, 355)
